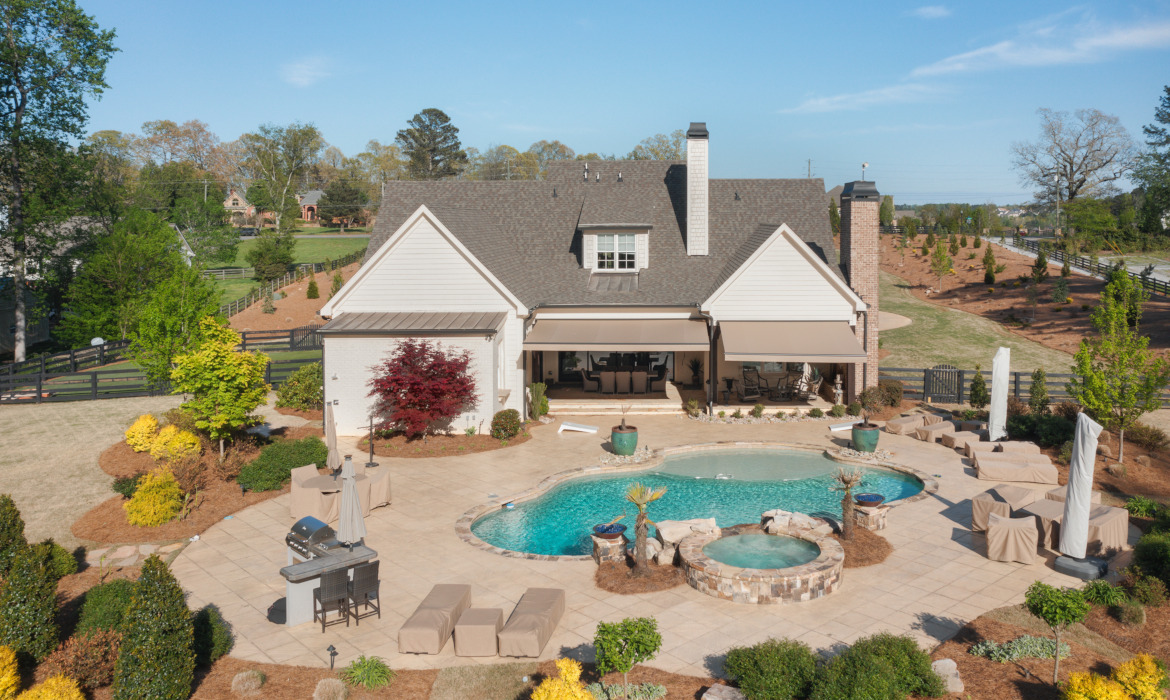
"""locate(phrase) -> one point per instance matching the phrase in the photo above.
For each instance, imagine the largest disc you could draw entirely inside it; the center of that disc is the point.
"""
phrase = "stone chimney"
(697, 189)
(860, 259)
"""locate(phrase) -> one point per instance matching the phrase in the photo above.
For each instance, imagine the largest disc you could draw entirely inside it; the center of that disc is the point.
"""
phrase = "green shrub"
(88, 658)
(539, 401)
(1065, 455)
(61, 560)
(854, 409)
(213, 636)
(776, 669)
(911, 665)
(816, 413)
(370, 672)
(11, 533)
(506, 424)
(1038, 392)
(1131, 613)
(1142, 587)
(104, 606)
(979, 396)
(304, 389)
(312, 292)
(157, 500)
(837, 411)
(1053, 430)
(1021, 426)
(758, 410)
(338, 282)
(892, 391)
(270, 471)
(156, 661)
(126, 485)
(1147, 436)
(723, 414)
(28, 604)
(1101, 592)
(1152, 554)
(850, 677)
(1023, 647)
(617, 691)
(737, 413)
(1142, 507)
(268, 307)
(692, 407)
(620, 645)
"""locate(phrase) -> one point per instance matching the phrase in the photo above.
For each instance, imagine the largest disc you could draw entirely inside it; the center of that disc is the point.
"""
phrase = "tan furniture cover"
(1011, 539)
(972, 426)
(1018, 446)
(1048, 516)
(532, 622)
(1108, 529)
(975, 447)
(305, 499)
(330, 488)
(905, 424)
(994, 466)
(1059, 494)
(959, 440)
(430, 626)
(1002, 500)
(379, 484)
(931, 433)
(475, 633)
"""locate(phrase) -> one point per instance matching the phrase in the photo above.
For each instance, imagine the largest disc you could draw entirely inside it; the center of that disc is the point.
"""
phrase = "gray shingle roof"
(530, 239)
(311, 197)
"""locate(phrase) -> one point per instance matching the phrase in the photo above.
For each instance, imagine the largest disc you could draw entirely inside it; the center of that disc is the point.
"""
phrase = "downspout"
(865, 346)
(711, 365)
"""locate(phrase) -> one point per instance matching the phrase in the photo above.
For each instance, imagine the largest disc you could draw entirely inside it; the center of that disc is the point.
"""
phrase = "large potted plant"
(696, 367)
(624, 438)
(865, 434)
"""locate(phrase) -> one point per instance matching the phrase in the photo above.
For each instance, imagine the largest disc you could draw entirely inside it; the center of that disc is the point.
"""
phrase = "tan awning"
(648, 335)
(790, 341)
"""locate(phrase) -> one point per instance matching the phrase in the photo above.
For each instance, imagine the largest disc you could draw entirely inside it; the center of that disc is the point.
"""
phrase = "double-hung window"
(616, 251)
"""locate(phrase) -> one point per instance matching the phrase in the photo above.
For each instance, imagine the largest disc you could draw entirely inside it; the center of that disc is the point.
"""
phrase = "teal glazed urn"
(624, 439)
(865, 437)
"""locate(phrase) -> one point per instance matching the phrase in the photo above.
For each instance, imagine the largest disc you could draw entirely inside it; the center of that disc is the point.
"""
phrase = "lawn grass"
(939, 335)
(230, 290)
(328, 230)
(308, 251)
(491, 682)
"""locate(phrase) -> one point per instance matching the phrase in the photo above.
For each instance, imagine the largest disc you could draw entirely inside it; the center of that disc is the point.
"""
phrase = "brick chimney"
(860, 257)
(697, 189)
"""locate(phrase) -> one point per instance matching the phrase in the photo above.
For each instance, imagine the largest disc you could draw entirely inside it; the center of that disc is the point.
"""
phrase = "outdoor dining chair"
(589, 384)
(623, 382)
(332, 596)
(638, 382)
(363, 590)
(608, 382)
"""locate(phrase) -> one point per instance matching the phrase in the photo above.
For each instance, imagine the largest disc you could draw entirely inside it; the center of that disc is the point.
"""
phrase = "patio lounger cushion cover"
(1012, 539)
(1002, 500)
(1060, 494)
(931, 433)
(960, 439)
(1019, 446)
(975, 447)
(1035, 472)
(532, 622)
(972, 425)
(476, 630)
(1108, 529)
(905, 424)
(433, 621)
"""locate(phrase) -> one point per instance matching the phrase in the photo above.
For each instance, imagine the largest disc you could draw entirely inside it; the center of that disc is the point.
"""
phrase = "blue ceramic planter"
(625, 441)
(865, 438)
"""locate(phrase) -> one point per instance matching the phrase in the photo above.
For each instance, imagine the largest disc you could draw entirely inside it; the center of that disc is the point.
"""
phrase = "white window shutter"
(589, 254)
(643, 251)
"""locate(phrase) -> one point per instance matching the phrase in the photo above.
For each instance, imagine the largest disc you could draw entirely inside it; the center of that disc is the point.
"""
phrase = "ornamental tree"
(1116, 377)
(226, 384)
(979, 396)
(1059, 609)
(941, 264)
(168, 325)
(620, 645)
(642, 496)
(421, 387)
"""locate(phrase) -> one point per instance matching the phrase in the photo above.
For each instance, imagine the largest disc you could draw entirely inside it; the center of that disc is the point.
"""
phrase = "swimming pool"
(733, 486)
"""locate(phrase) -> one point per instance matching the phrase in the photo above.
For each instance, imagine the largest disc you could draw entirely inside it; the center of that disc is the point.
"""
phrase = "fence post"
(962, 378)
(268, 373)
(1017, 382)
(93, 384)
(40, 380)
(101, 355)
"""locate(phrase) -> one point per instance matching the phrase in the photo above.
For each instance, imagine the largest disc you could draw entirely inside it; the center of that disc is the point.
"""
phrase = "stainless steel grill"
(310, 538)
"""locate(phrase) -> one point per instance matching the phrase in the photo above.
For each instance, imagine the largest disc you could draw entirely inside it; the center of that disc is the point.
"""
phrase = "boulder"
(1142, 460)
(653, 547)
(723, 692)
(666, 556)
(948, 670)
(1105, 451)
(1116, 469)
(671, 532)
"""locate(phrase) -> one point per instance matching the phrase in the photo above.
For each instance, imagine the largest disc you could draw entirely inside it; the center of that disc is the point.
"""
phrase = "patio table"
(1002, 500)
(1048, 515)
(328, 485)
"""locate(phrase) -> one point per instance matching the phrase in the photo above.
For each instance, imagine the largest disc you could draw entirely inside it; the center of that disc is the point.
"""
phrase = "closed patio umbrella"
(1074, 526)
(351, 526)
(1000, 376)
(333, 458)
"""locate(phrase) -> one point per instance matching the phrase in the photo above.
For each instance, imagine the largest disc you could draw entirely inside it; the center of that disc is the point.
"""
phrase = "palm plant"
(642, 496)
(847, 480)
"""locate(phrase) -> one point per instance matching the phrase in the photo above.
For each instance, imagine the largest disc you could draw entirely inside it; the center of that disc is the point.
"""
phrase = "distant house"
(308, 202)
(239, 209)
(900, 214)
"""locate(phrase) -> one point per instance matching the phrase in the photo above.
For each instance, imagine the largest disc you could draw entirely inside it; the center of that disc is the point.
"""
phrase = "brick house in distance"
(308, 202)
(619, 268)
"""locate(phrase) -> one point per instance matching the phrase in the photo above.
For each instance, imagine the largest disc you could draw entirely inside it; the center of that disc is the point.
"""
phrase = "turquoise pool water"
(732, 486)
(755, 550)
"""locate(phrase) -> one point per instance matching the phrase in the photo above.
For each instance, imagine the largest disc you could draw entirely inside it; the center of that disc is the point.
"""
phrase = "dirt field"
(294, 310)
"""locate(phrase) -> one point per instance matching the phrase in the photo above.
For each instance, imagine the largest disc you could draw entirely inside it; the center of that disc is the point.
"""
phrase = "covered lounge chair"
(1003, 500)
(931, 433)
(1000, 467)
(427, 630)
(531, 624)
(308, 500)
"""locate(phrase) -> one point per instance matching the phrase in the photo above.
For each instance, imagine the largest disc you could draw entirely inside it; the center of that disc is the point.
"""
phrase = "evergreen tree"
(1040, 267)
(272, 254)
(344, 202)
(338, 281)
(1065, 270)
(1038, 392)
(11, 533)
(954, 245)
(886, 211)
(431, 144)
(989, 266)
(979, 396)
(930, 240)
(940, 264)
(834, 217)
(157, 656)
(312, 292)
(978, 241)
(28, 604)
(963, 241)
(1117, 379)
(1060, 291)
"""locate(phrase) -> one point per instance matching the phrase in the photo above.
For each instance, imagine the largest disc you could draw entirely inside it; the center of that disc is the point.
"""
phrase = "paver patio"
(936, 580)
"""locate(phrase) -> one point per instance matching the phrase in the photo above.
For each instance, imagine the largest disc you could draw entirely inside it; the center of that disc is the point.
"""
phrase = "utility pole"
(205, 191)
(810, 168)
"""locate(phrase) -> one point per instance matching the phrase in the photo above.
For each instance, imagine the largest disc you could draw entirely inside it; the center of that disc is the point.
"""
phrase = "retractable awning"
(790, 341)
(661, 334)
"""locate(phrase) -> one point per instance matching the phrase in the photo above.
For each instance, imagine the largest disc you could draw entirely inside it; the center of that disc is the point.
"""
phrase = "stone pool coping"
(793, 584)
(463, 524)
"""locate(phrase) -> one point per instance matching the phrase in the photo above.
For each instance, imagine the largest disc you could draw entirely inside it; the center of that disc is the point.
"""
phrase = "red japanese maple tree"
(420, 386)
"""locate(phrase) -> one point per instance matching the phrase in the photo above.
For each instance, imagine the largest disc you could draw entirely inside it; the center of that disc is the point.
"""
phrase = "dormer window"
(616, 251)
(235, 202)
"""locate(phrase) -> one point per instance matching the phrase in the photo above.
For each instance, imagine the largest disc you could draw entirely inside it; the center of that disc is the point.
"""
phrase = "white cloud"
(894, 94)
(305, 72)
(931, 12)
(1042, 45)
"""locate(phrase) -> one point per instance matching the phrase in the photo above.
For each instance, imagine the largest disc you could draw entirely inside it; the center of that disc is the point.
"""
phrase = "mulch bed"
(865, 549)
(107, 524)
(677, 685)
(295, 310)
(442, 445)
(120, 460)
(1146, 473)
(315, 414)
(298, 682)
(619, 578)
(1151, 638)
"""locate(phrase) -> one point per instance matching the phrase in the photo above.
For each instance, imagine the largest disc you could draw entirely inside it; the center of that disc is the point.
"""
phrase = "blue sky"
(932, 96)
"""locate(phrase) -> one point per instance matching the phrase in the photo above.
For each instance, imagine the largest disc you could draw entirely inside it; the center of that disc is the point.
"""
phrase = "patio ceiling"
(790, 341)
(618, 335)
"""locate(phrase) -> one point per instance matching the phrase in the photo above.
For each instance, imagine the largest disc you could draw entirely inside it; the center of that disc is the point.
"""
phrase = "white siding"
(353, 358)
(781, 285)
(423, 272)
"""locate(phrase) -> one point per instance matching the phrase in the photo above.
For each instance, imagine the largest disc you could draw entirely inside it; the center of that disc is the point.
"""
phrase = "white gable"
(422, 267)
(784, 281)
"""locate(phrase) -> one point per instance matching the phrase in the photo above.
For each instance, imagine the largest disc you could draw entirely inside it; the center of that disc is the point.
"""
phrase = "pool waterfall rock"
(671, 532)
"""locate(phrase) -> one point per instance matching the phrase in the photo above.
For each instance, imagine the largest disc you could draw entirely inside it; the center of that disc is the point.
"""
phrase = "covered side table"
(1002, 500)
(1012, 539)
(475, 633)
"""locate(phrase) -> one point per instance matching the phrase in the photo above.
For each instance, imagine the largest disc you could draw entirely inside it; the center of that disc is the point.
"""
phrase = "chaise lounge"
(997, 466)
(531, 624)
(433, 621)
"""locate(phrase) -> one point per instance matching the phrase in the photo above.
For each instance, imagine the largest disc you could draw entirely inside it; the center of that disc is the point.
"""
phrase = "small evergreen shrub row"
(837, 411)
(28, 604)
(126, 485)
(304, 390)
(270, 471)
(854, 409)
(1152, 555)
(104, 606)
(816, 413)
(12, 539)
(776, 668)
(506, 424)
(1023, 647)
(1045, 429)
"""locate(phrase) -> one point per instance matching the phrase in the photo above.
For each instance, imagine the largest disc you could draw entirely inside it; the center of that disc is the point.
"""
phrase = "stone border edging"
(463, 524)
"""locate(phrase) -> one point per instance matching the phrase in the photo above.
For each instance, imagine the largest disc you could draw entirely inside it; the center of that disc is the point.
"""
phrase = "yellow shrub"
(140, 436)
(157, 500)
(1141, 677)
(567, 686)
(55, 688)
(1090, 686)
(173, 444)
(9, 674)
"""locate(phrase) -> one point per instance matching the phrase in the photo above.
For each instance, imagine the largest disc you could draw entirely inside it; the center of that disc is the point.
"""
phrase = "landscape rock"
(723, 692)
(1116, 469)
(123, 552)
(671, 532)
(666, 556)
(1142, 460)
(777, 520)
(653, 547)
(147, 549)
(1105, 451)
(949, 671)
(95, 555)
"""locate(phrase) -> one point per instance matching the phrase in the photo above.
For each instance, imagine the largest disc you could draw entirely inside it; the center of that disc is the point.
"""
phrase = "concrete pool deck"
(936, 580)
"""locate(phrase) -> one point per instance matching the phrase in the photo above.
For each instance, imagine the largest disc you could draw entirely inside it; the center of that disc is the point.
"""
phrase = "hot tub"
(787, 567)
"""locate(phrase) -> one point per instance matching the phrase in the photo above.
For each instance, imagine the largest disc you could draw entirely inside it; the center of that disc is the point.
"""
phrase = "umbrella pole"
(371, 463)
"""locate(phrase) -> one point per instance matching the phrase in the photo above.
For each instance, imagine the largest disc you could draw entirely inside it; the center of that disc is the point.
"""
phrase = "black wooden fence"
(232, 308)
(72, 361)
(945, 384)
(1094, 268)
(108, 384)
